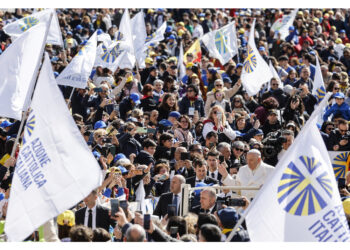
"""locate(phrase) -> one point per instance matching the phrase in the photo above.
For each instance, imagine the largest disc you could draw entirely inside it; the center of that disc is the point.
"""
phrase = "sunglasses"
(218, 85)
(336, 89)
(329, 129)
(341, 130)
(240, 149)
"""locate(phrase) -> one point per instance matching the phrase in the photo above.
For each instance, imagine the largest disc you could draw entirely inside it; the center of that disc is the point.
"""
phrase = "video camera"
(272, 146)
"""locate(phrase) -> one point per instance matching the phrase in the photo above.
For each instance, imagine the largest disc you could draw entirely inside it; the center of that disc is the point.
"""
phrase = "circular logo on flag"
(220, 42)
(30, 125)
(339, 164)
(27, 23)
(304, 187)
(250, 62)
(111, 56)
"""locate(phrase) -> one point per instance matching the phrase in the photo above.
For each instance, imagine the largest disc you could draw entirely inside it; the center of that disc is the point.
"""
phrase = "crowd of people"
(152, 131)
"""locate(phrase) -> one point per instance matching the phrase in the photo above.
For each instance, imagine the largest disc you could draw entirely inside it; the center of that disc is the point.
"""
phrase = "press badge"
(191, 111)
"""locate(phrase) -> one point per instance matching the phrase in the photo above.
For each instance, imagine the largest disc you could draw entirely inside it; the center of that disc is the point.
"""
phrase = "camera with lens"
(272, 146)
(107, 140)
(346, 136)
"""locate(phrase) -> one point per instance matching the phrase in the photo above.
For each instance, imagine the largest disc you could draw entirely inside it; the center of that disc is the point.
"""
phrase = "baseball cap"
(135, 97)
(339, 95)
(123, 170)
(79, 27)
(258, 132)
(239, 65)
(100, 124)
(6, 124)
(227, 80)
(342, 31)
(172, 37)
(149, 60)
(338, 41)
(165, 123)
(261, 48)
(66, 218)
(291, 28)
(119, 156)
(174, 114)
(168, 29)
(69, 33)
(228, 217)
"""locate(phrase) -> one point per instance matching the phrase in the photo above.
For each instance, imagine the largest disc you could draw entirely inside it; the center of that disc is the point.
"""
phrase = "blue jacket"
(343, 109)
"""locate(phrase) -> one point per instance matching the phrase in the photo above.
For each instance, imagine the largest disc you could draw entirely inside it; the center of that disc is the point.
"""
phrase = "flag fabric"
(255, 71)
(222, 43)
(340, 162)
(300, 200)
(180, 63)
(55, 168)
(155, 37)
(18, 70)
(275, 75)
(318, 89)
(139, 37)
(18, 27)
(282, 24)
(195, 49)
(77, 73)
(107, 54)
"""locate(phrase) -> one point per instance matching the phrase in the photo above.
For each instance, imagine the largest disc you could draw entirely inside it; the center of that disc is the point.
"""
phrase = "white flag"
(155, 37)
(139, 37)
(15, 29)
(275, 75)
(180, 64)
(318, 88)
(55, 168)
(18, 70)
(300, 201)
(77, 72)
(222, 43)
(255, 72)
(125, 30)
(340, 162)
(282, 24)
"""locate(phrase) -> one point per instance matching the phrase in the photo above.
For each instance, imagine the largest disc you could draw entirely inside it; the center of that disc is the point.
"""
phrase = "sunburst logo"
(30, 125)
(150, 37)
(220, 42)
(111, 56)
(340, 163)
(27, 23)
(250, 62)
(304, 188)
(320, 93)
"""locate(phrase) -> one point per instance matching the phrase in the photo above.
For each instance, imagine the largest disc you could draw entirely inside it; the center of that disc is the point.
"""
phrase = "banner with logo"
(18, 27)
(55, 168)
(222, 43)
(300, 201)
(318, 88)
(77, 72)
(340, 162)
(18, 70)
(282, 24)
(255, 71)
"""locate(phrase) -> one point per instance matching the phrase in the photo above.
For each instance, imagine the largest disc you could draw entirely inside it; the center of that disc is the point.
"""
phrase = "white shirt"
(215, 174)
(197, 31)
(86, 220)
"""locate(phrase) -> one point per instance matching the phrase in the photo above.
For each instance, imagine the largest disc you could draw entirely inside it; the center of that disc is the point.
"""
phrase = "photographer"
(128, 144)
(339, 138)
(289, 136)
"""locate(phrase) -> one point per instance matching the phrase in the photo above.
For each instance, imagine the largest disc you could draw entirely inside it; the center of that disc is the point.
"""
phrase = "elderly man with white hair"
(254, 174)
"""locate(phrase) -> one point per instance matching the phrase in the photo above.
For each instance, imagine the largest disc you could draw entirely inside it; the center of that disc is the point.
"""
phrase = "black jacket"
(148, 104)
(102, 217)
(197, 209)
(280, 96)
(185, 104)
(129, 145)
(162, 205)
(334, 139)
(162, 153)
(144, 158)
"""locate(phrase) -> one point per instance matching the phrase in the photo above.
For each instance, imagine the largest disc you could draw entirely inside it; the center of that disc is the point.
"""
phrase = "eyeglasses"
(218, 85)
(329, 129)
(343, 131)
(240, 149)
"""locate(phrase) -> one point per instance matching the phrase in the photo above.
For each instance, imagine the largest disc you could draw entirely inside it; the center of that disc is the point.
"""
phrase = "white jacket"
(209, 126)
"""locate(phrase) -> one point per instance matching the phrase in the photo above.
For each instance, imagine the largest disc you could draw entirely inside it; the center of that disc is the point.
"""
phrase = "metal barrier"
(186, 191)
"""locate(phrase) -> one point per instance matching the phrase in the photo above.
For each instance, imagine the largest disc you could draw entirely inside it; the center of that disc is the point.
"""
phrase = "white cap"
(254, 151)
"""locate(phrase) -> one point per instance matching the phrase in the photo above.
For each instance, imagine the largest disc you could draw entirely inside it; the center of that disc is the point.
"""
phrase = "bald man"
(253, 174)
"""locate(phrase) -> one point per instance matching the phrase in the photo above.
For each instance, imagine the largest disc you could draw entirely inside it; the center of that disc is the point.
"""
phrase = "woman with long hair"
(183, 133)
(294, 110)
(216, 121)
(168, 104)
